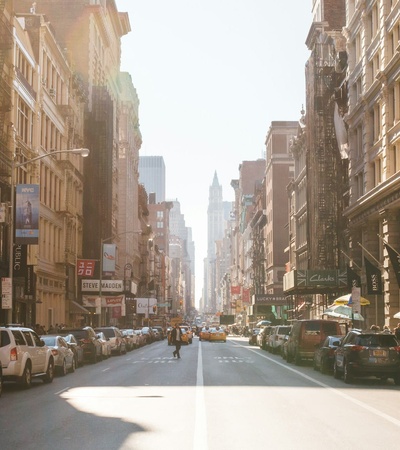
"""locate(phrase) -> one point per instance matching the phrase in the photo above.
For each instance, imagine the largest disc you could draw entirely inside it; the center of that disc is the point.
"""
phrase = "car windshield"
(49, 340)
(80, 334)
(377, 340)
(109, 332)
(283, 330)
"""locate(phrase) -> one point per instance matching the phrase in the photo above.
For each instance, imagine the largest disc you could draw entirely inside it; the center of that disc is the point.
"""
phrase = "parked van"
(306, 334)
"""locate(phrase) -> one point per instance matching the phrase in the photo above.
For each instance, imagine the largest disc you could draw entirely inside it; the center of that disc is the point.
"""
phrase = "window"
(18, 338)
(376, 123)
(394, 156)
(28, 338)
(377, 171)
(24, 122)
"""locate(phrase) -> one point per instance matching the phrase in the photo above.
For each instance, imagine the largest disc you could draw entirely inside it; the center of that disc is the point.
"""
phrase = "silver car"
(64, 359)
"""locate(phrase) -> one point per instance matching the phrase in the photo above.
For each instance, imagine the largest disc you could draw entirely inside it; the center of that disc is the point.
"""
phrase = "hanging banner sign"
(27, 214)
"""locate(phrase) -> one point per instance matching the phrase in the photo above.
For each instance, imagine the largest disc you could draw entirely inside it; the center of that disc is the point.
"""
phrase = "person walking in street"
(176, 339)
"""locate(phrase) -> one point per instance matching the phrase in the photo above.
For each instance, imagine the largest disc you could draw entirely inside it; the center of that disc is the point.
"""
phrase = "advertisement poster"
(109, 252)
(27, 214)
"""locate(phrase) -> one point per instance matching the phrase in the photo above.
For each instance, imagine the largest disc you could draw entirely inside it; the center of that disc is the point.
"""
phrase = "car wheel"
(347, 377)
(396, 380)
(324, 366)
(94, 357)
(297, 359)
(315, 367)
(336, 373)
(1, 383)
(289, 357)
(73, 366)
(48, 378)
(63, 369)
(26, 379)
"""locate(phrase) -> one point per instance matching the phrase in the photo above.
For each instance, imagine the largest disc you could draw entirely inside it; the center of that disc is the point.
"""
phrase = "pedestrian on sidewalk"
(176, 339)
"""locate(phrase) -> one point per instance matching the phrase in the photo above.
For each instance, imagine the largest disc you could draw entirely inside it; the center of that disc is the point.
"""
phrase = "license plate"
(379, 353)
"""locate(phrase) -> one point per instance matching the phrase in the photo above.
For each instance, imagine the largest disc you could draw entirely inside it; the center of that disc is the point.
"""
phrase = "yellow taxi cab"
(204, 334)
(217, 334)
(189, 333)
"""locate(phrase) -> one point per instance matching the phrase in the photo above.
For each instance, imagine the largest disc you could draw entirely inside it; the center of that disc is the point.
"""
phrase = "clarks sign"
(314, 280)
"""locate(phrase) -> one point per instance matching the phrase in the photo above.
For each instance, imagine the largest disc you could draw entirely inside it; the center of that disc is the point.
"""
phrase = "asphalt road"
(217, 396)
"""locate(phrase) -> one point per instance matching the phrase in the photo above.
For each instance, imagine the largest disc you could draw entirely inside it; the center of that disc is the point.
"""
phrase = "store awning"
(76, 308)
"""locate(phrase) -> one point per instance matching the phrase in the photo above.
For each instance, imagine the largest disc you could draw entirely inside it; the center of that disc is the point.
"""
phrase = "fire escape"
(324, 166)
(6, 147)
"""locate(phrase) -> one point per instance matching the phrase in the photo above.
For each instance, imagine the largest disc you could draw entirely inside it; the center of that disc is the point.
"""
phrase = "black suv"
(88, 341)
(364, 354)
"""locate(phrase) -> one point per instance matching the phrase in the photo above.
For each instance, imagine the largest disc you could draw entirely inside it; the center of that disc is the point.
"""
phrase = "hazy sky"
(211, 76)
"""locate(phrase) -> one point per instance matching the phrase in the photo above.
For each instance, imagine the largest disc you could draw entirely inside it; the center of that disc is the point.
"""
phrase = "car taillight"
(357, 348)
(397, 349)
(54, 352)
(85, 341)
(13, 354)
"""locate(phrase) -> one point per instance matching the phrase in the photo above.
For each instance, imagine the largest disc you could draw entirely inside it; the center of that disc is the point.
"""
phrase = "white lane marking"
(200, 426)
(62, 390)
(330, 388)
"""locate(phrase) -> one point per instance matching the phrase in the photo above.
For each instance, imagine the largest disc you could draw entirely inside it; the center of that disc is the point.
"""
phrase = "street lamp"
(84, 152)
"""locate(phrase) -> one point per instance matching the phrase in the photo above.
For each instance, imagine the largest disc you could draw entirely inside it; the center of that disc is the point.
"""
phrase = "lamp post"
(84, 152)
(103, 241)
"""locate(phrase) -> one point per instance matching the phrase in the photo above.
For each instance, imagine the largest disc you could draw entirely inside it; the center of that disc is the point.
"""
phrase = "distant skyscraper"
(152, 175)
(215, 229)
(215, 215)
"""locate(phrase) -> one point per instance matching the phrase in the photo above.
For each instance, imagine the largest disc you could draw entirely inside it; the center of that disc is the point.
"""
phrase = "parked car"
(115, 337)
(105, 345)
(306, 334)
(1, 380)
(148, 332)
(24, 355)
(130, 339)
(160, 330)
(364, 354)
(253, 336)
(284, 343)
(74, 345)
(276, 337)
(64, 360)
(324, 354)
(140, 338)
(263, 337)
(217, 334)
(157, 335)
(88, 341)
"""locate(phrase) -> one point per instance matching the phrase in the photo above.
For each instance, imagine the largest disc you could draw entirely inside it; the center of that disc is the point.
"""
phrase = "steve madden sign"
(106, 285)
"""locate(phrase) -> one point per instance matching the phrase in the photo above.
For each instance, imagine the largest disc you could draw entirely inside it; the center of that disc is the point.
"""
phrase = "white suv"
(24, 355)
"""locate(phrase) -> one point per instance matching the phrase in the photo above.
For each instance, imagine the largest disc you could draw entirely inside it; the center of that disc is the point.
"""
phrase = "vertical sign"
(6, 293)
(109, 251)
(27, 214)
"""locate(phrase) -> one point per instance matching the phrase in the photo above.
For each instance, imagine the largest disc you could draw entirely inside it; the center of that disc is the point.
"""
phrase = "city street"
(217, 396)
